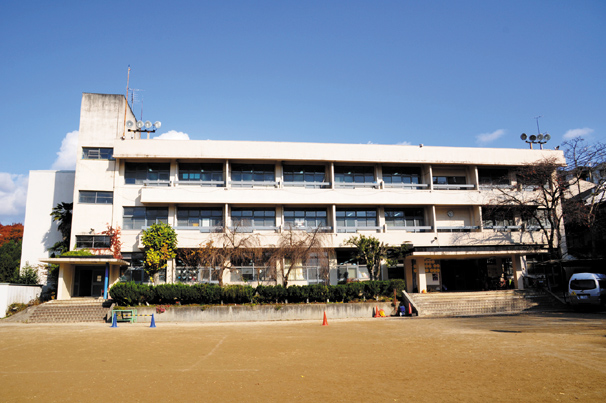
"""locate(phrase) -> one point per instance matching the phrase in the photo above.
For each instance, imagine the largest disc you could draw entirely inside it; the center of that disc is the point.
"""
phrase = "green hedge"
(126, 294)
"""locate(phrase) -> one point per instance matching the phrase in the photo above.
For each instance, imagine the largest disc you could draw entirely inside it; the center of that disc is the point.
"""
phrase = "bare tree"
(296, 248)
(538, 198)
(586, 177)
(221, 252)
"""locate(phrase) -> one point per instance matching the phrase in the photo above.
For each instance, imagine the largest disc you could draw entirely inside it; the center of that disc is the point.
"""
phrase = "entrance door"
(89, 281)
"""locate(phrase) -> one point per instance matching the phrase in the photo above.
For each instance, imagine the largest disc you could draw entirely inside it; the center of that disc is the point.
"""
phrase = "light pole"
(140, 127)
(540, 138)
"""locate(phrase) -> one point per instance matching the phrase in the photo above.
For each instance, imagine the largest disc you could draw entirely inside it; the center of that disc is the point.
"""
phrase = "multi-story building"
(434, 198)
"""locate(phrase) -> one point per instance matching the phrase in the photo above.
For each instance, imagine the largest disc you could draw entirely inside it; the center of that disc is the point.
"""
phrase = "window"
(535, 218)
(404, 217)
(497, 218)
(96, 197)
(449, 180)
(493, 176)
(192, 172)
(140, 217)
(199, 217)
(92, 241)
(351, 219)
(139, 173)
(583, 285)
(252, 174)
(304, 175)
(259, 218)
(315, 270)
(244, 271)
(304, 218)
(401, 175)
(354, 175)
(97, 153)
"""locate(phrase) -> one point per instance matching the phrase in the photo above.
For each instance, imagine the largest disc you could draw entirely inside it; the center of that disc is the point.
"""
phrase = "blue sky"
(441, 73)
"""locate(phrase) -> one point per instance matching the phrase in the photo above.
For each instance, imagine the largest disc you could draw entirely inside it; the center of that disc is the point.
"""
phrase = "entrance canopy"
(86, 276)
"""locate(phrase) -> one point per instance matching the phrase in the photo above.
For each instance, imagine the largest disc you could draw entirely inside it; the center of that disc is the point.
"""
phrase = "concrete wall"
(45, 190)
(16, 293)
(263, 312)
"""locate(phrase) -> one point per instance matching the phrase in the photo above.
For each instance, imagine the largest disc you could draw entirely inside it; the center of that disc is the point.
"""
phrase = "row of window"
(208, 217)
(213, 172)
(141, 173)
(140, 217)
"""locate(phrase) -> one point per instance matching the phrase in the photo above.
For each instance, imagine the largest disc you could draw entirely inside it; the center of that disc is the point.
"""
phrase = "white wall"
(46, 189)
(13, 293)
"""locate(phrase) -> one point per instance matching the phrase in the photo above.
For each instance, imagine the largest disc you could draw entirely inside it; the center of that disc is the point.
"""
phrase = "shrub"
(355, 290)
(372, 289)
(339, 293)
(295, 293)
(270, 294)
(237, 294)
(318, 293)
(130, 293)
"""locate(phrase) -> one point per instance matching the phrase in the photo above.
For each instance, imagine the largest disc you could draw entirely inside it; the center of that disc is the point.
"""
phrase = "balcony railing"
(308, 185)
(201, 183)
(503, 228)
(353, 185)
(254, 184)
(455, 187)
(408, 186)
(462, 228)
(349, 229)
(418, 228)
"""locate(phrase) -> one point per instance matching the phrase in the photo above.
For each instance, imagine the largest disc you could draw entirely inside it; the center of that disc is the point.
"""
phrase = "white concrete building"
(432, 197)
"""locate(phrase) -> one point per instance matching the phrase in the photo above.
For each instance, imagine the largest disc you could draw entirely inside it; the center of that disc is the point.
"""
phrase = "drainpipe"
(106, 280)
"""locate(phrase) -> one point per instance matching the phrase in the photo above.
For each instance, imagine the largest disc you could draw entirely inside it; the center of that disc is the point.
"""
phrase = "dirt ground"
(556, 357)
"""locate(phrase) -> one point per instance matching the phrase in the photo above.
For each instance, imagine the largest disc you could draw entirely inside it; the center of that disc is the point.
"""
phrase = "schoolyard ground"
(548, 357)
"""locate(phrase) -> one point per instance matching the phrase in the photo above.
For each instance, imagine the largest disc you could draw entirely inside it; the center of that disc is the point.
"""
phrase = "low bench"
(125, 315)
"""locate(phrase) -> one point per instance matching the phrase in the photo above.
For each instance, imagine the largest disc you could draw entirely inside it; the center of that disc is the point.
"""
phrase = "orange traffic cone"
(409, 309)
(377, 312)
(325, 322)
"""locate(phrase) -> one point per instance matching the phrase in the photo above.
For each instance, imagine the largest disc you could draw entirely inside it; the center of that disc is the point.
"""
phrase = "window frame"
(95, 197)
(98, 153)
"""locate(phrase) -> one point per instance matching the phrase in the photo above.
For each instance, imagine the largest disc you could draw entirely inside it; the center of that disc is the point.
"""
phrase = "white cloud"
(485, 138)
(13, 192)
(403, 143)
(67, 154)
(570, 134)
(172, 135)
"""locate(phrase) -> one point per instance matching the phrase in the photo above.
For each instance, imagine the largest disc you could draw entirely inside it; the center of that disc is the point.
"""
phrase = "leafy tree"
(10, 232)
(28, 275)
(371, 252)
(160, 241)
(10, 256)
(62, 213)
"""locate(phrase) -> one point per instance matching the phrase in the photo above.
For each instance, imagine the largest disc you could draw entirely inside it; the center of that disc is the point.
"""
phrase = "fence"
(17, 293)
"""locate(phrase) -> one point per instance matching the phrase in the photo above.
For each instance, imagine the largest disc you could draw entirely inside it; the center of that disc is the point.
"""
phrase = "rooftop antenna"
(135, 97)
(126, 103)
(537, 119)
(540, 138)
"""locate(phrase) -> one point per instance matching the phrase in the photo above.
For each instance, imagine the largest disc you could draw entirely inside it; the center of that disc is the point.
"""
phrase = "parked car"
(585, 289)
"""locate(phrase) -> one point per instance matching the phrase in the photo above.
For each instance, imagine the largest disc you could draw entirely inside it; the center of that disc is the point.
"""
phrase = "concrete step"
(64, 312)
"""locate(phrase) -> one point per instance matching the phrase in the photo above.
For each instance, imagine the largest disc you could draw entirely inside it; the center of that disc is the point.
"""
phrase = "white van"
(587, 289)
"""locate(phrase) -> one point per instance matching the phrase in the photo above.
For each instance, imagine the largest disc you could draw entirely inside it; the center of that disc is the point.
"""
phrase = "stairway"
(71, 311)
(485, 303)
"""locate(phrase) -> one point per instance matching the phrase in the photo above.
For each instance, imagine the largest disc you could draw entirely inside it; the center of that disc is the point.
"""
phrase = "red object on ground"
(325, 322)
(409, 309)
(377, 312)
